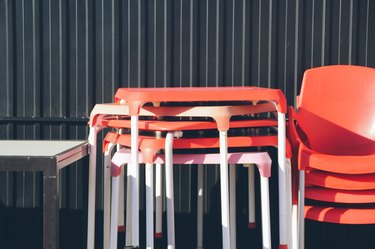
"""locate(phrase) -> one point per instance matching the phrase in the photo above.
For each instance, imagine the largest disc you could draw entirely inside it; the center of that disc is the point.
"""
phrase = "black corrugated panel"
(60, 57)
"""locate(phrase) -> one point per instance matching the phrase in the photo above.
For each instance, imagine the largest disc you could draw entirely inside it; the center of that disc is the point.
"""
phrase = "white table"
(48, 157)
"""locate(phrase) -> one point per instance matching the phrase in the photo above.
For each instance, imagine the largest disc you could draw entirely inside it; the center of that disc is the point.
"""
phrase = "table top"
(35, 155)
(136, 97)
(38, 148)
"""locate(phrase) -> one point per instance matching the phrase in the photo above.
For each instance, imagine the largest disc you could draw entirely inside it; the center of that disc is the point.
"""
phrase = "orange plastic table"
(103, 114)
(137, 97)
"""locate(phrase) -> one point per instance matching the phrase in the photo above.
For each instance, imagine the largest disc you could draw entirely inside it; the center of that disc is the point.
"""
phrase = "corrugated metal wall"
(60, 57)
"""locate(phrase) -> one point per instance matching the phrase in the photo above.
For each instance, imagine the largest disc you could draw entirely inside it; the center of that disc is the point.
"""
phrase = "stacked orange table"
(130, 101)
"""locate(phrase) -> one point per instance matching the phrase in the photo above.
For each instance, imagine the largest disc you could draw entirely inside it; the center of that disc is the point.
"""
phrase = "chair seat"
(364, 164)
(340, 196)
(340, 181)
(341, 215)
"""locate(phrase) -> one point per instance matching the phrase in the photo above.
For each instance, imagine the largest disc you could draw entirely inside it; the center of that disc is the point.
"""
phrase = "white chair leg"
(107, 195)
(289, 215)
(266, 221)
(200, 203)
(224, 189)
(169, 189)
(149, 206)
(295, 227)
(158, 202)
(251, 195)
(114, 211)
(301, 210)
(283, 199)
(232, 205)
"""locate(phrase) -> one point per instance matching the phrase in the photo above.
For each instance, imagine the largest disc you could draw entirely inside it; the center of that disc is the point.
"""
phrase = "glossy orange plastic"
(136, 97)
(336, 110)
(149, 146)
(333, 138)
(340, 196)
(362, 215)
(185, 125)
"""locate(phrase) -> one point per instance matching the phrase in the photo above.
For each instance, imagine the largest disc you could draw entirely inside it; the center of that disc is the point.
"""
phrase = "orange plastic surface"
(136, 97)
(221, 114)
(335, 133)
(336, 109)
(340, 181)
(345, 164)
(340, 196)
(341, 215)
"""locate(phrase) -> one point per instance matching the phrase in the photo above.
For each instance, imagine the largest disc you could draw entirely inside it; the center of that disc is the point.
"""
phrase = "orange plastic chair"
(333, 133)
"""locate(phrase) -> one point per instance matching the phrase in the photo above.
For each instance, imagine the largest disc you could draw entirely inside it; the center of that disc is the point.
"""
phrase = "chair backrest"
(336, 109)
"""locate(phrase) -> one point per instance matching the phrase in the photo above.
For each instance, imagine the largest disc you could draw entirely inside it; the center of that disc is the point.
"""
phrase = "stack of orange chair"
(333, 134)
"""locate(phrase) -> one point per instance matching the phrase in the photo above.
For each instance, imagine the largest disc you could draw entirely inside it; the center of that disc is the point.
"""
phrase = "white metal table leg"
(283, 202)
(169, 189)
(200, 203)
(251, 195)
(134, 179)
(129, 194)
(114, 211)
(158, 198)
(158, 201)
(232, 205)
(107, 195)
(149, 171)
(121, 204)
(92, 140)
(224, 189)
(266, 221)
(121, 208)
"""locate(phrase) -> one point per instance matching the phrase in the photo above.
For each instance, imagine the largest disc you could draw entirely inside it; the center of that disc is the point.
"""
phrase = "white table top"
(37, 148)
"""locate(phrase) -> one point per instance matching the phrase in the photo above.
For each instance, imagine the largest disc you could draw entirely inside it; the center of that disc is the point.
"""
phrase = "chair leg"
(288, 181)
(149, 206)
(169, 189)
(283, 200)
(107, 195)
(251, 195)
(294, 226)
(301, 209)
(266, 221)
(224, 189)
(232, 205)
(158, 202)
(200, 203)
